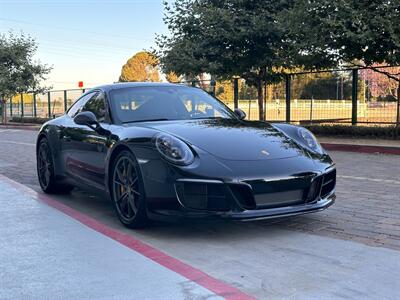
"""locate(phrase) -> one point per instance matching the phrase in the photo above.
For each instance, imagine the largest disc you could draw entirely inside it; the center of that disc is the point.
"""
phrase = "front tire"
(127, 191)
(45, 170)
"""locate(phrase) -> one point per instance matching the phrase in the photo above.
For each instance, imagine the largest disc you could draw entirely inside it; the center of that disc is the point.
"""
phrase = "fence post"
(354, 98)
(212, 85)
(288, 96)
(236, 93)
(22, 104)
(48, 105)
(65, 101)
(34, 105)
(311, 109)
(11, 112)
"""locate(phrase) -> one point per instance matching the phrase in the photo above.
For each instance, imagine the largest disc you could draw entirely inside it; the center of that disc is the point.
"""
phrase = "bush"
(376, 132)
(387, 98)
(30, 120)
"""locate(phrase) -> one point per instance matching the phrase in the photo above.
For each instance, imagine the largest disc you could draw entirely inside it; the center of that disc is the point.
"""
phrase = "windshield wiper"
(146, 120)
(207, 118)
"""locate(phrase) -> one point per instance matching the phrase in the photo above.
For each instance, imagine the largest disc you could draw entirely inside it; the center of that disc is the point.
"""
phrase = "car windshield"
(135, 104)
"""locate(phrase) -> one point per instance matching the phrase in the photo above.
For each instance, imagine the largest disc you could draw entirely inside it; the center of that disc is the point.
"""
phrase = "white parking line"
(9, 130)
(17, 143)
(370, 179)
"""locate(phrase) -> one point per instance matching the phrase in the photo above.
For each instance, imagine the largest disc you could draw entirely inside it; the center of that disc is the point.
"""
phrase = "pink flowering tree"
(380, 84)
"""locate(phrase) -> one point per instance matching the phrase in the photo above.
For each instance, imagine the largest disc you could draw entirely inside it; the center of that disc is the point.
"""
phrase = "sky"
(84, 40)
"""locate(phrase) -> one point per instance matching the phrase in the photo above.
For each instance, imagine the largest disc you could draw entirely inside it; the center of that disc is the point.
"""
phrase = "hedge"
(359, 131)
(30, 120)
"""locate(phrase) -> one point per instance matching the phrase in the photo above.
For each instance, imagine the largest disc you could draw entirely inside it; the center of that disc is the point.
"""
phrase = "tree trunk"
(265, 101)
(4, 111)
(260, 99)
(398, 106)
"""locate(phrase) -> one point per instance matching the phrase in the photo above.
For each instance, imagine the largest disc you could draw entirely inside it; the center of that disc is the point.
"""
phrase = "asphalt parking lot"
(350, 251)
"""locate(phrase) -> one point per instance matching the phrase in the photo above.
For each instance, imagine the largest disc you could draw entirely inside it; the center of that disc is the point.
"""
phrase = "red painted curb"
(21, 127)
(218, 287)
(362, 148)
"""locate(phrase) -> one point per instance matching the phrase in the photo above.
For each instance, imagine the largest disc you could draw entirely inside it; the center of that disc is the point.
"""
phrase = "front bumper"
(247, 215)
(285, 211)
(253, 199)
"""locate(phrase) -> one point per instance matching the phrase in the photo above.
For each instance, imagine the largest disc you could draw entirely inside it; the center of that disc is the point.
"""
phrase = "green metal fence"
(351, 96)
(48, 105)
(332, 96)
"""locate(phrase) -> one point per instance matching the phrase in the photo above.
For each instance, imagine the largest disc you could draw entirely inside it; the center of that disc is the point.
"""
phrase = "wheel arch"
(40, 137)
(116, 150)
(52, 137)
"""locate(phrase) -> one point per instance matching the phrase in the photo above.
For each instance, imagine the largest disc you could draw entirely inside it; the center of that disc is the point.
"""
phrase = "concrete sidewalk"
(45, 254)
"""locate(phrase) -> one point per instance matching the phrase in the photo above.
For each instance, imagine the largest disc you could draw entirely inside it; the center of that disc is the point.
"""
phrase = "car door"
(84, 149)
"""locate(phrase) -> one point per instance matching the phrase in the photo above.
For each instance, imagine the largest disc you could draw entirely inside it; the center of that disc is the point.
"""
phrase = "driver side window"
(77, 106)
(97, 105)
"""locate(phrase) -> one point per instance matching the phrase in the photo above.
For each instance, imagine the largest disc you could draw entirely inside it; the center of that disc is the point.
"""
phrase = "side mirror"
(240, 113)
(86, 118)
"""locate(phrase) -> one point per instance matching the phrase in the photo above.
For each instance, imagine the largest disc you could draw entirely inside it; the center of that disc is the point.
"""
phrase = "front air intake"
(328, 184)
(203, 196)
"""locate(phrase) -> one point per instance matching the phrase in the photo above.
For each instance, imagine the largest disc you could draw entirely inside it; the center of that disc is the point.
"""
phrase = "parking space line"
(370, 179)
(9, 130)
(17, 143)
(220, 288)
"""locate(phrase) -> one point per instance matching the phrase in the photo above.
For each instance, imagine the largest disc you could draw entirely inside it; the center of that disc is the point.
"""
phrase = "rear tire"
(127, 191)
(45, 170)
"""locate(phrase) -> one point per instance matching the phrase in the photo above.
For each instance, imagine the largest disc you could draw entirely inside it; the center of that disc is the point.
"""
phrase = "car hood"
(231, 139)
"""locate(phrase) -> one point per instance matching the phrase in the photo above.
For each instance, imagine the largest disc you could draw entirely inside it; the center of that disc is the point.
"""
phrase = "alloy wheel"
(44, 164)
(126, 188)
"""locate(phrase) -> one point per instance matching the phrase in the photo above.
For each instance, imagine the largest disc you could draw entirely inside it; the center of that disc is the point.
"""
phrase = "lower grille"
(279, 199)
(279, 193)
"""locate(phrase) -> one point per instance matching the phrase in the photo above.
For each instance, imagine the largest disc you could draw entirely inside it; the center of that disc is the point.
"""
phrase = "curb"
(21, 127)
(215, 285)
(362, 148)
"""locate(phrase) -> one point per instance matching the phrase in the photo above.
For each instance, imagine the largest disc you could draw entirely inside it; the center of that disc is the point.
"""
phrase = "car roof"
(121, 85)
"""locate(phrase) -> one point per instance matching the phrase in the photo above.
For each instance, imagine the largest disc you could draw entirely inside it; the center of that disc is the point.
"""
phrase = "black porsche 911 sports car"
(165, 150)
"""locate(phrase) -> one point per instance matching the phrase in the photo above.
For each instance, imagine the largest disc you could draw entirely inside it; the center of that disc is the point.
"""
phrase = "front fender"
(52, 134)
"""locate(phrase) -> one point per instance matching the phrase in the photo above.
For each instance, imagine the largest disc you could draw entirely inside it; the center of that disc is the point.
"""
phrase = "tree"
(143, 66)
(19, 73)
(172, 77)
(326, 89)
(358, 33)
(379, 85)
(225, 38)
(224, 90)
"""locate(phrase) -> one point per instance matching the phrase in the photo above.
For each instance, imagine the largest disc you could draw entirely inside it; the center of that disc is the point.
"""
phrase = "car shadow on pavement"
(100, 208)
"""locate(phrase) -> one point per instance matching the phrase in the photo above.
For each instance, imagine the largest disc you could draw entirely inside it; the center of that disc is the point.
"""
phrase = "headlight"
(310, 140)
(173, 149)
